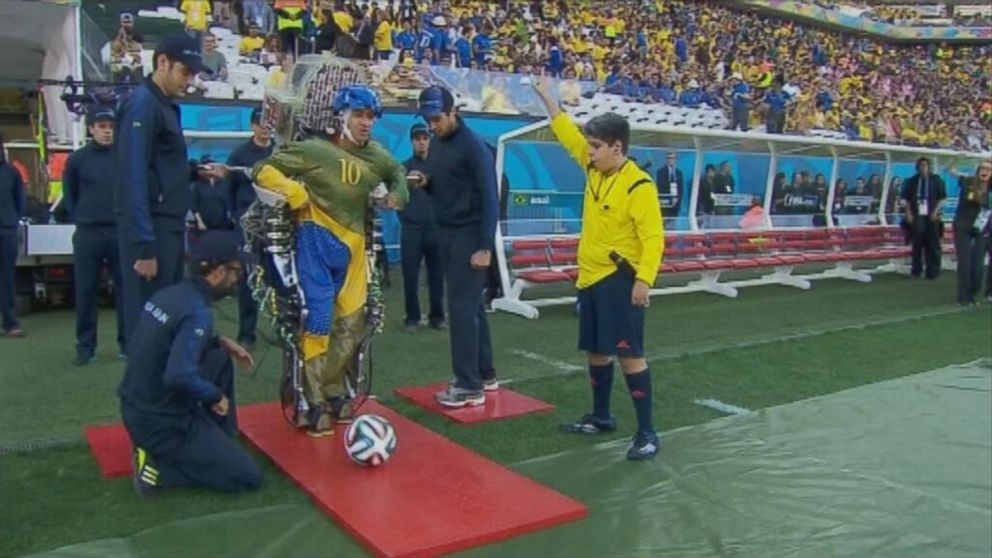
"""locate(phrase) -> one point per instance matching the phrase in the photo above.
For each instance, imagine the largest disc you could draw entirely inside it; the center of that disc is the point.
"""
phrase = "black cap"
(214, 248)
(101, 114)
(256, 115)
(434, 101)
(183, 48)
(419, 129)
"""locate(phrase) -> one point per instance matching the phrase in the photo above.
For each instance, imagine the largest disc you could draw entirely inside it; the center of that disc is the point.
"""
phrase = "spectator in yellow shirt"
(253, 42)
(383, 41)
(343, 18)
(196, 12)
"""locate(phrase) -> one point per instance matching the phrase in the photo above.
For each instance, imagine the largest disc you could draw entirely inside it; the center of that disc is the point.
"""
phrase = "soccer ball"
(370, 440)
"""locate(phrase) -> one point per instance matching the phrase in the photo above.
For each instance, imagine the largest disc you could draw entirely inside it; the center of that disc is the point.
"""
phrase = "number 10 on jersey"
(350, 172)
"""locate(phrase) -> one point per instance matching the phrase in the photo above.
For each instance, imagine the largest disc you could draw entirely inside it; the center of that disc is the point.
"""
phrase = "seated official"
(177, 396)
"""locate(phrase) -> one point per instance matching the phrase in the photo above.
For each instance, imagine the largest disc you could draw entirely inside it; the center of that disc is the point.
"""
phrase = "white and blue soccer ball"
(370, 440)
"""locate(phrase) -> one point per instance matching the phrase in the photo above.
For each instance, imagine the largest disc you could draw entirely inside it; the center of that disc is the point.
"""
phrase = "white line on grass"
(563, 367)
(567, 369)
(721, 407)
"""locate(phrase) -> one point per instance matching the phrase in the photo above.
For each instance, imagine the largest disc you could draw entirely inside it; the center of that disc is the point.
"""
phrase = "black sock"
(639, 385)
(601, 378)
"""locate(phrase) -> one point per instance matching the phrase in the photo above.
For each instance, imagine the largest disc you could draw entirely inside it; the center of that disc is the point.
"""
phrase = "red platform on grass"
(433, 497)
(111, 447)
(500, 404)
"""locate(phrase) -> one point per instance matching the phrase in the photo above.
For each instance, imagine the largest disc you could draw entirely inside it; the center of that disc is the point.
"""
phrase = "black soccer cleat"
(144, 473)
(590, 424)
(644, 446)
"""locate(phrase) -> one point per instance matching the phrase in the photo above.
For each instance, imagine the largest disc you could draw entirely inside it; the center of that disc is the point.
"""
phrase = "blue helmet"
(357, 97)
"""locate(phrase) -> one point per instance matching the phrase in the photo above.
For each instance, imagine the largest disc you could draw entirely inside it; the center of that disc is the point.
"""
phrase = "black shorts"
(609, 324)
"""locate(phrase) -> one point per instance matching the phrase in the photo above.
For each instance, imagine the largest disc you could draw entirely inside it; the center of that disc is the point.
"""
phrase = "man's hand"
(640, 296)
(238, 353)
(481, 259)
(146, 269)
(416, 179)
(221, 407)
(213, 171)
(542, 86)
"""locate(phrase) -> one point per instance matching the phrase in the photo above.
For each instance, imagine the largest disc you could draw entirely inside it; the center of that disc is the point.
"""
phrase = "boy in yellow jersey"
(620, 249)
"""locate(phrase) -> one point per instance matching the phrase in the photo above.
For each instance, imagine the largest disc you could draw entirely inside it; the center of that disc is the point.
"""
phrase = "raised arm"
(567, 133)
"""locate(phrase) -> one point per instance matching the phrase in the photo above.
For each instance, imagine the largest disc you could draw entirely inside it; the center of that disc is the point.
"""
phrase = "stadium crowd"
(905, 15)
(789, 77)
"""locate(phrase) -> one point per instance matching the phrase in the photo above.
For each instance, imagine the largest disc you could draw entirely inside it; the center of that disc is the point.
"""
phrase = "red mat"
(500, 404)
(111, 447)
(433, 497)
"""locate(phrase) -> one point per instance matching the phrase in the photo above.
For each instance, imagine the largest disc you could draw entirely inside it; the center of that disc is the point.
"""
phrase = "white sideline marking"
(802, 335)
(559, 364)
(721, 407)
(565, 368)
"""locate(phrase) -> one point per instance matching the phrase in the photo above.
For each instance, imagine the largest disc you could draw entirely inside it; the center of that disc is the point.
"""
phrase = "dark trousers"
(198, 450)
(926, 248)
(739, 118)
(969, 246)
(8, 269)
(170, 251)
(92, 248)
(988, 279)
(471, 347)
(417, 244)
(291, 42)
(247, 308)
(775, 122)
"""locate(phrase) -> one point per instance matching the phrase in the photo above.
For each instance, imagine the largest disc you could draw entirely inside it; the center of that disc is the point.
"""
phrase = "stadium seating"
(705, 258)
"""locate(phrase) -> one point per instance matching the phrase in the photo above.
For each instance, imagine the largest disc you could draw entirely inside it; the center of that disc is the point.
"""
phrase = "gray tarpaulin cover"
(900, 468)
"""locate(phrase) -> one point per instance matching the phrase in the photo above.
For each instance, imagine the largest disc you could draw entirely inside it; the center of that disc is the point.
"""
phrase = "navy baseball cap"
(214, 248)
(419, 128)
(102, 114)
(434, 101)
(256, 115)
(183, 48)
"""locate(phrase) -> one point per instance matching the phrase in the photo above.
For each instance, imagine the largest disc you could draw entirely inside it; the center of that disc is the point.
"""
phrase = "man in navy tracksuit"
(243, 193)
(153, 193)
(211, 205)
(88, 186)
(461, 177)
(177, 396)
(13, 201)
(419, 241)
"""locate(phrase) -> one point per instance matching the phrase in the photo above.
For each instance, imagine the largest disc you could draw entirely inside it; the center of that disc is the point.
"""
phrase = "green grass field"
(771, 346)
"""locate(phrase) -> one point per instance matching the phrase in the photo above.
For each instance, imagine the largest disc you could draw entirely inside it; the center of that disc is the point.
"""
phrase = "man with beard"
(177, 396)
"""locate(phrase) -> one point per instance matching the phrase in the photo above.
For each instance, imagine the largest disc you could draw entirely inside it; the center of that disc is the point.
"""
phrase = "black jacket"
(242, 191)
(212, 201)
(935, 191)
(174, 329)
(154, 174)
(88, 185)
(419, 211)
(13, 198)
(664, 180)
(462, 181)
(970, 205)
